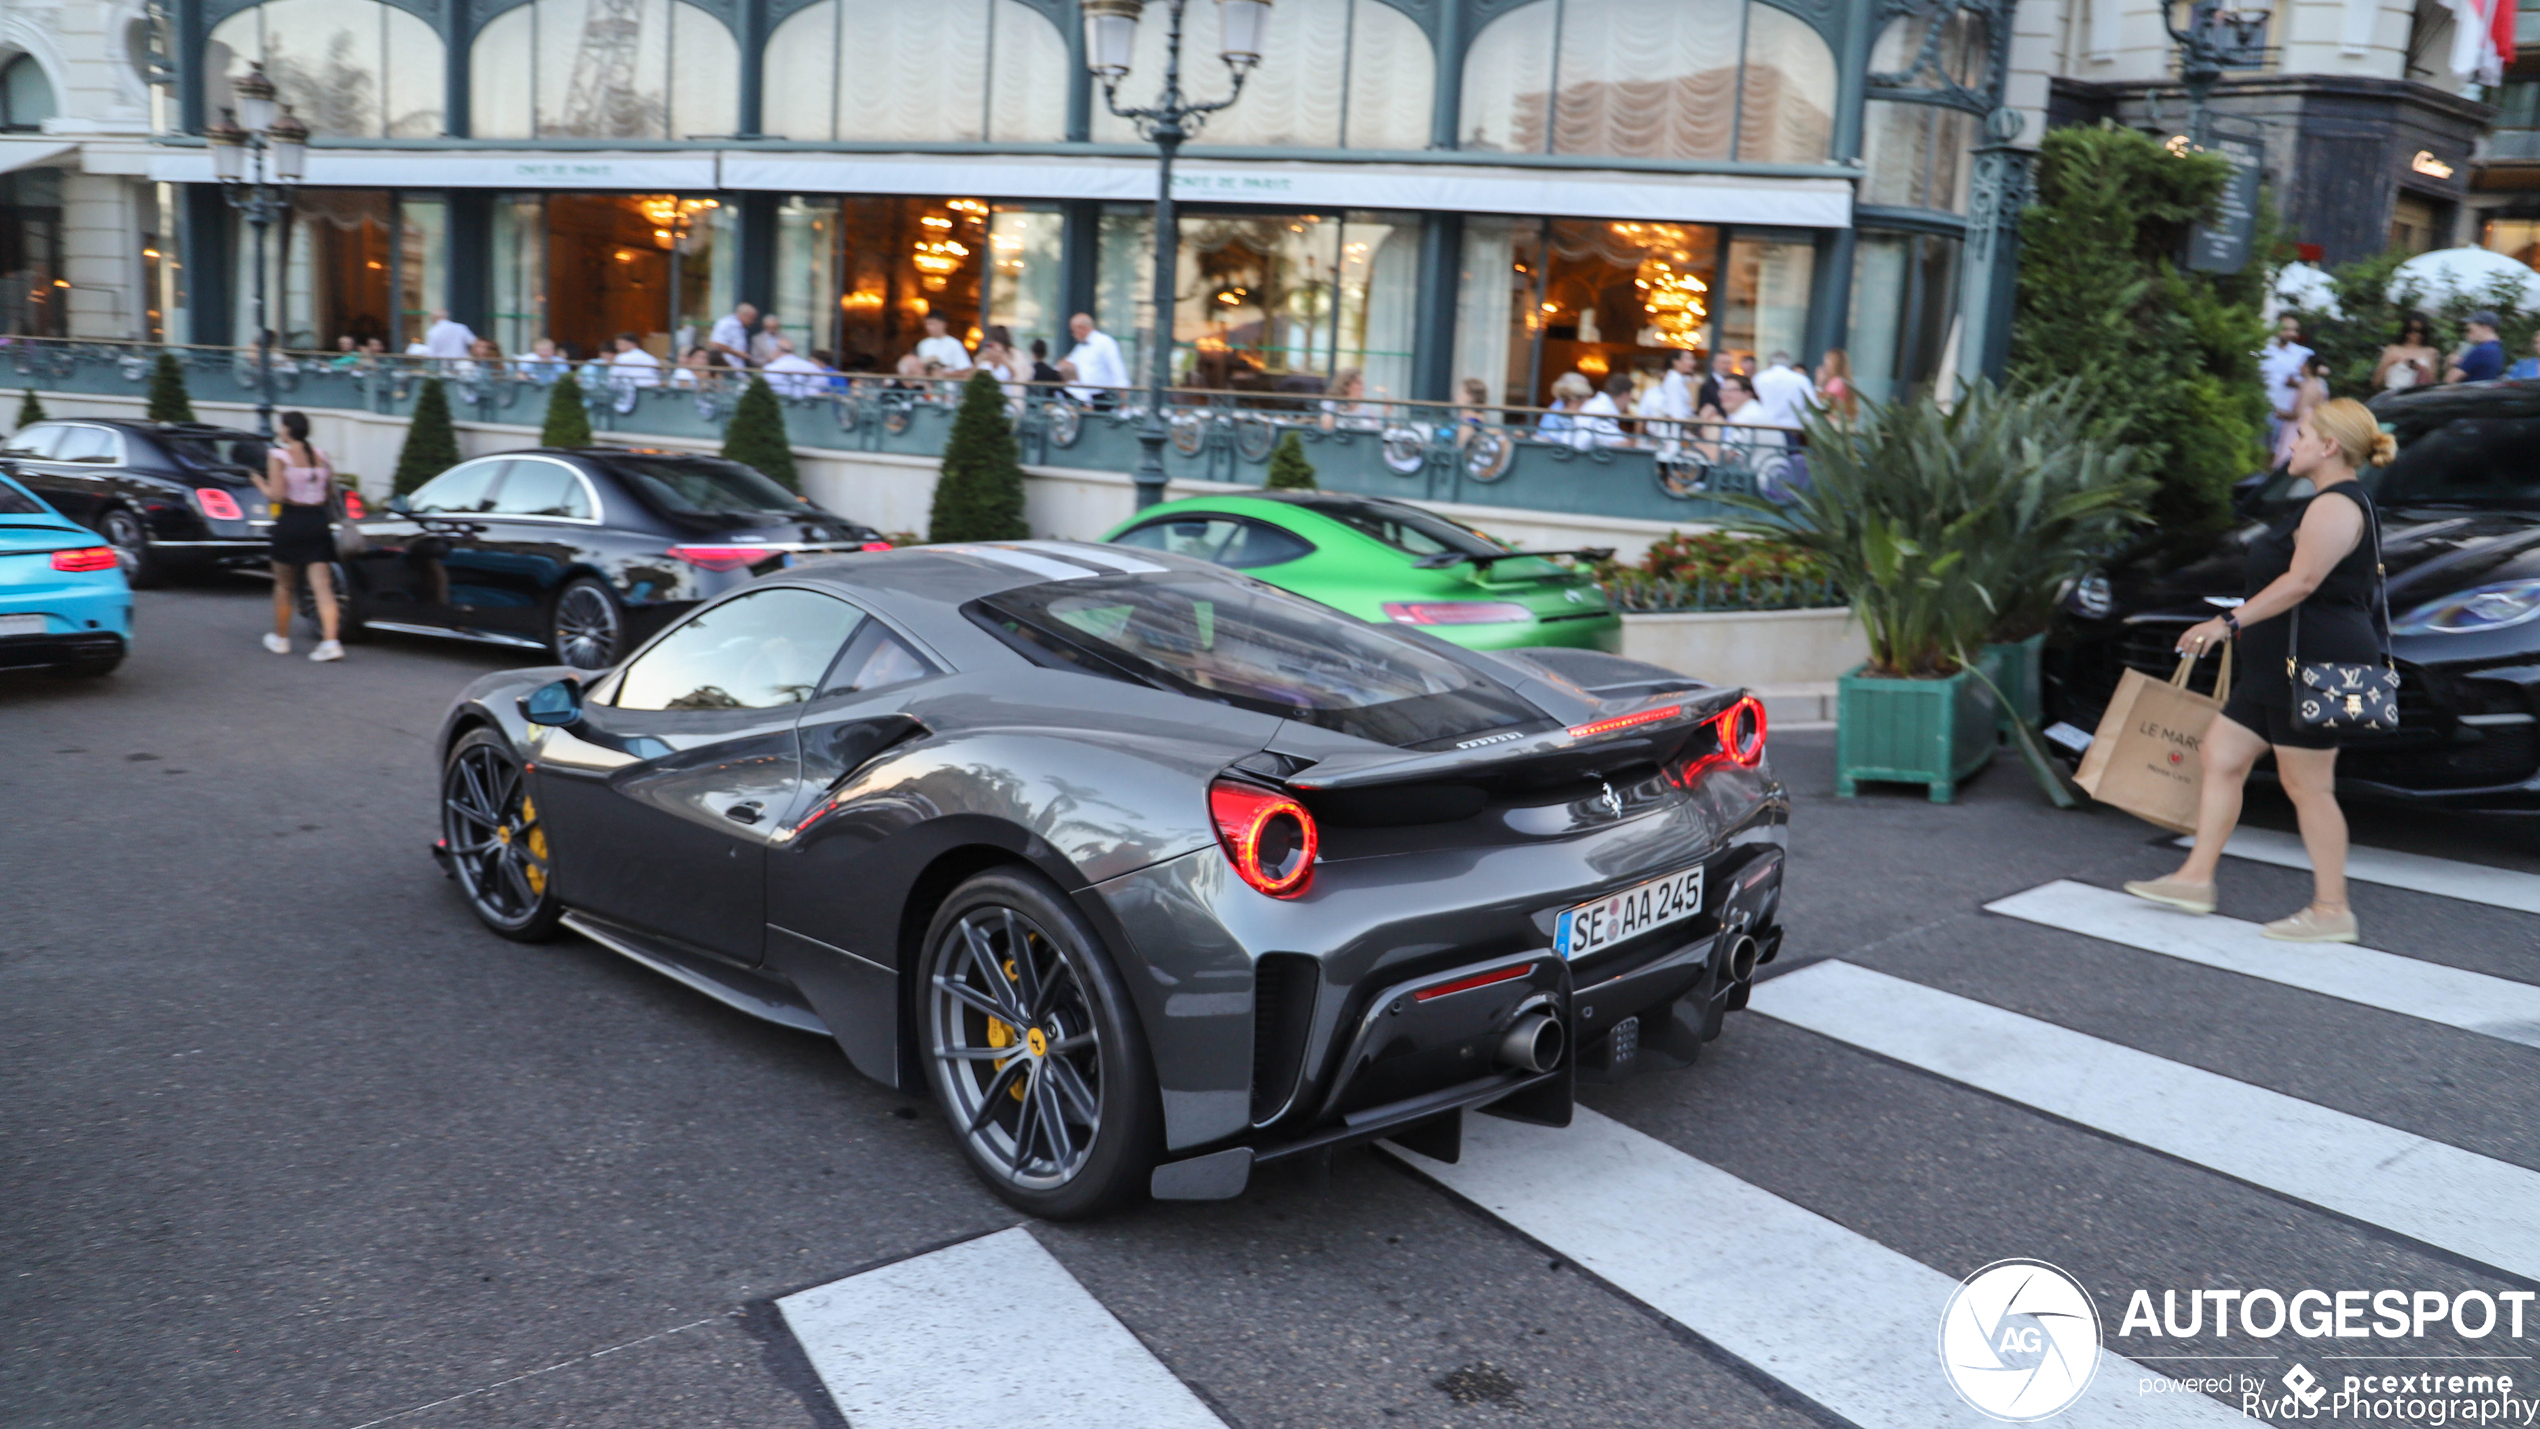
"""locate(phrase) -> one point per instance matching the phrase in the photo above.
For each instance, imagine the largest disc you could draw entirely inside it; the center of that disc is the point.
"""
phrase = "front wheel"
(1033, 1049)
(496, 846)
(588, 631)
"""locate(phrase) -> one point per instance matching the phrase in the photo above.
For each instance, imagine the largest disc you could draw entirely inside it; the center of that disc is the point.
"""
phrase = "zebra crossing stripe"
(2474, 1002)
(991, 1331)
(2456, 1200)
(1827, 1311)
(2469, 882)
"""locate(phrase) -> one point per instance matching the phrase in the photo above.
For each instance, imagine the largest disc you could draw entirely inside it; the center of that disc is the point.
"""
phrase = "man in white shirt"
(1676, 390)
(1096, 359)
(1785, 391)
(2280, 368)
(940, 347)
(633, 366)
(730, 339)
(792, 375)
(447, 340)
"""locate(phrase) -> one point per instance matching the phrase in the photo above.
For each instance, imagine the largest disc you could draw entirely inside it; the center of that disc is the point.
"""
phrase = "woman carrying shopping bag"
(2314, 639)
(300, 482)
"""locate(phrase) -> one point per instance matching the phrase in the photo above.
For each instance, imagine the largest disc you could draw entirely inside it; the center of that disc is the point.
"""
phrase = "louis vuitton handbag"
(2336, 697)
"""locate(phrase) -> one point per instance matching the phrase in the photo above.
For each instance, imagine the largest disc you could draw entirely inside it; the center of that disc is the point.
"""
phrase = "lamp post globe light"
(1111, 34)
(259, 152)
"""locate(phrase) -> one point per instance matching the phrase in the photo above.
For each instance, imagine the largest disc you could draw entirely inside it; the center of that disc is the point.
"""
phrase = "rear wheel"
(496, 846)
(142, 567)
(348, 611)
(1033, 1049)
(588, 631)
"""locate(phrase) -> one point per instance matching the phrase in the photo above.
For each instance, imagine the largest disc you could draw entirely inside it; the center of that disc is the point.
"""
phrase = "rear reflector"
(216, 503)
(1467, 984)
(721, 558)
(1607, 726)
(1457, 612)
(85, 558)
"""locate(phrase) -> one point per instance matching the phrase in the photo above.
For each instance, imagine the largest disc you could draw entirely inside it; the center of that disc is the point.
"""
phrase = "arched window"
(894, 71)
(26, 96)
(331, 61)
(604, 69)
(1337, 74)
(1654, 79)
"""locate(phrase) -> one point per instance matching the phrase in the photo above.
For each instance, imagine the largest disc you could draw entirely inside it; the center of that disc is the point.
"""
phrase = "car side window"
(758, 651)
(2472, 460)
(875, 660)
(34, 443)
(464, 488)
(543, 488)
(1257, 543)
(88, 444)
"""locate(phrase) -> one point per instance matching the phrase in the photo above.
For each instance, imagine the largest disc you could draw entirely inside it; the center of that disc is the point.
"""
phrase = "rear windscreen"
(1418, 533)
(212, 454)
(702, 486)
(14, 502)
(1246, 644)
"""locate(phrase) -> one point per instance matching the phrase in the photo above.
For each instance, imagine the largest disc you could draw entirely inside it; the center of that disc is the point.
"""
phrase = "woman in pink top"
(300, 483)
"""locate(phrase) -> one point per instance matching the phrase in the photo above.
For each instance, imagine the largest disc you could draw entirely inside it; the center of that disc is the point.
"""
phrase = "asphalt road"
(289, 1140)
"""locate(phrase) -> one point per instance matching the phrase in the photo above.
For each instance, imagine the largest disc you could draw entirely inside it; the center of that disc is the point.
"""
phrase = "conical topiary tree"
(30, 411)
(432, 444)
(979, 497)
(756, 435)
(1289, 470)
(168, 401)
(568, 421)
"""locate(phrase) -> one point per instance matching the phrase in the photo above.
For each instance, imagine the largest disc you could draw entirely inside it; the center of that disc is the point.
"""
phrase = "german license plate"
(21, 625)
(1593, 927)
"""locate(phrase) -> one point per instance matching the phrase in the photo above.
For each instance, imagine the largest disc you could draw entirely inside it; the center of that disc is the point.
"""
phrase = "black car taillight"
(216, 503)
(1268, 836)
(1734, 736)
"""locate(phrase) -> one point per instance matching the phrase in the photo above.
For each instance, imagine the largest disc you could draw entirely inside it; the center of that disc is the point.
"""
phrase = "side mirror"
(558, 703)
(400, 506)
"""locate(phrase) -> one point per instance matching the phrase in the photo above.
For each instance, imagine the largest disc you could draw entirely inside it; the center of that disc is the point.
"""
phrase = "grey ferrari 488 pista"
(1151, 873)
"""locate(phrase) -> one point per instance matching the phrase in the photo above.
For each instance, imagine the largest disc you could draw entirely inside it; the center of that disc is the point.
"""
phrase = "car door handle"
(744, 813)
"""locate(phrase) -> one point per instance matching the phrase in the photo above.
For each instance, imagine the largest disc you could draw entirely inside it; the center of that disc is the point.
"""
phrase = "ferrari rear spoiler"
(1649, 730)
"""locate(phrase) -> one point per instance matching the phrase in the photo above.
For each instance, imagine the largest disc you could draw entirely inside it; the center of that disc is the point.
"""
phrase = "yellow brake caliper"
(1001, 1035)
(535, 869)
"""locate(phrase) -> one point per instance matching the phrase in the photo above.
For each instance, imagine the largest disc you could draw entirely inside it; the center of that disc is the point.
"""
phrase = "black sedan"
(581, 553)
(1149, 871)
(169, 497)
(2461, 540)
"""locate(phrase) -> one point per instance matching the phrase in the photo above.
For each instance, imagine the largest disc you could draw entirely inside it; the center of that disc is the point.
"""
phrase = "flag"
(2482, 39)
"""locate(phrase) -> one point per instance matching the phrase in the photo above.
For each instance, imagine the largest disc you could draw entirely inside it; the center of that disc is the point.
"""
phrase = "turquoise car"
(63, 598)
(1390, 562)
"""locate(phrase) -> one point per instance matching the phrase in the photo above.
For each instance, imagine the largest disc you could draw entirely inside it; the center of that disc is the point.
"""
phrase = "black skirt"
(302, 536)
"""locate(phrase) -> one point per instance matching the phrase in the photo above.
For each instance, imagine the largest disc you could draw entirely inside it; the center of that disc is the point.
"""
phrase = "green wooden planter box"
(2015, 669)
(1928, 732)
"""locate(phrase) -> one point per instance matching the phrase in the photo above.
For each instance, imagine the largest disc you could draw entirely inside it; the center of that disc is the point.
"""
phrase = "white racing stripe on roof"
(2456, 1200)
(2469, 882)
(1041, 566)
(1125, 565)
(991, 1331)
(2474, 1002)
(1827, 1311)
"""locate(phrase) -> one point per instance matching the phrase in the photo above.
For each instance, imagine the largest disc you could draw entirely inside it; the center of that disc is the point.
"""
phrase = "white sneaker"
(278, 644)
(327, 650)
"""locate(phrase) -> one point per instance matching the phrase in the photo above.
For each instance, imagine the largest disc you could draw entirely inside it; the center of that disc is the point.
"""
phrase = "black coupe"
(1149, 871)
(2461, 539)
(580, 553)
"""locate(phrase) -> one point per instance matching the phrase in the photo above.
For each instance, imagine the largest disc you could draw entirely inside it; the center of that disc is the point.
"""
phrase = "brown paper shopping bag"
(2144, 758)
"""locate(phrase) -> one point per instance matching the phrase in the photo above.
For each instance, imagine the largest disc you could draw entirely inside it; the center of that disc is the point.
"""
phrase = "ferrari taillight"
(1737, 737)
(216, 503)
(1269, 837)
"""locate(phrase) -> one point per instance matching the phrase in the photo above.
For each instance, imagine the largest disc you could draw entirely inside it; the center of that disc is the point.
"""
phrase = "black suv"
(2461, 540)
(167, 496)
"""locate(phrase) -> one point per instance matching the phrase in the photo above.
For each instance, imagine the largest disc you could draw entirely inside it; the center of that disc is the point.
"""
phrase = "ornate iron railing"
(1611, 466)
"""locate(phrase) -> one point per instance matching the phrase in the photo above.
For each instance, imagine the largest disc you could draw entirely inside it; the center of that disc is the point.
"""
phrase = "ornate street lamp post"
(246, 144)
(2218, 36)
(1111, 32)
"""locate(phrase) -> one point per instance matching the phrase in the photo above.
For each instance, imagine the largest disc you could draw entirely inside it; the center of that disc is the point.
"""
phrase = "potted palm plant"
(1942, 524)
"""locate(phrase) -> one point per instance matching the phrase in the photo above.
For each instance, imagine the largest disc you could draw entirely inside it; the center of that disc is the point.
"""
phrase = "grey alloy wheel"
(589, 630)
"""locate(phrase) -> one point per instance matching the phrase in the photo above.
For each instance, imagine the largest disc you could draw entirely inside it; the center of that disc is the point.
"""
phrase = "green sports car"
(1389, 561)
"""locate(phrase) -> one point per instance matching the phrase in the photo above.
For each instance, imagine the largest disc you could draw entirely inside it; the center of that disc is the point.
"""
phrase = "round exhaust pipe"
(1533, 1045)
(1741, 959)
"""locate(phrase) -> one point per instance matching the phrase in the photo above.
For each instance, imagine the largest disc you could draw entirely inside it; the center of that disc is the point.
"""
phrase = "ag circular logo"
(2020, 1340)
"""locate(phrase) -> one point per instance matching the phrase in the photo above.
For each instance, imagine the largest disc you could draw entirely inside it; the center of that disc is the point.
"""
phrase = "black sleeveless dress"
(2340, 621)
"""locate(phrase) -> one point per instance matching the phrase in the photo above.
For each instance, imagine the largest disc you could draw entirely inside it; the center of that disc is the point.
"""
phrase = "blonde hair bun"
(2384, 448)
(2356, 431)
